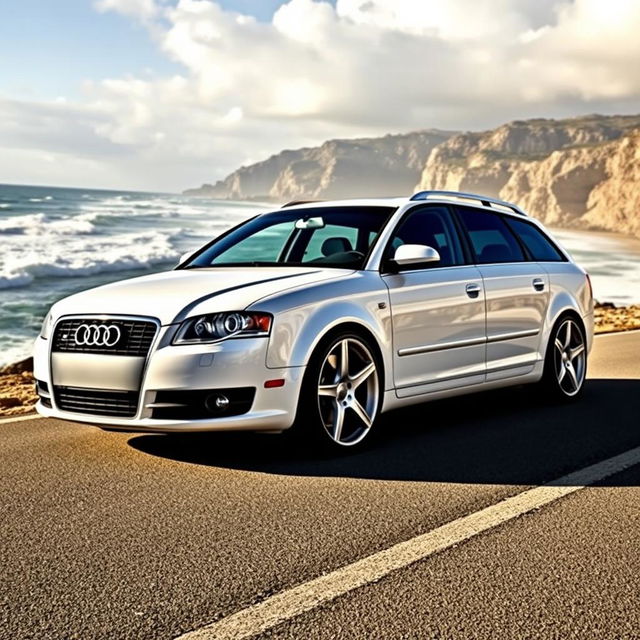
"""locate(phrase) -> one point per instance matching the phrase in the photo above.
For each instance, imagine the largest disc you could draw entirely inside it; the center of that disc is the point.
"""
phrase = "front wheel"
(566, 360)
(341, 393)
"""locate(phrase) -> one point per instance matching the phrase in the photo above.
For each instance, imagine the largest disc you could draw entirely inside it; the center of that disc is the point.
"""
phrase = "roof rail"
(486, 201)
(293, 203)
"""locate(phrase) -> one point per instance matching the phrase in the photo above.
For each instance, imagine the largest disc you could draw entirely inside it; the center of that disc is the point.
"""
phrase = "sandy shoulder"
(609, 318)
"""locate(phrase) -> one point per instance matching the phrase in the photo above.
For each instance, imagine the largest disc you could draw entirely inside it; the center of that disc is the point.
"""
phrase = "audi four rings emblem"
(97, 335)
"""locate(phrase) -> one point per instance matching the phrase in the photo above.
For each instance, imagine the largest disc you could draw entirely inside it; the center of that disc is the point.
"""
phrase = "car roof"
(347, 202)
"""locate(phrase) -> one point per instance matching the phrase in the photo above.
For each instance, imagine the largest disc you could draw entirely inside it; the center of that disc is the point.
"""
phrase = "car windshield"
(324, 236)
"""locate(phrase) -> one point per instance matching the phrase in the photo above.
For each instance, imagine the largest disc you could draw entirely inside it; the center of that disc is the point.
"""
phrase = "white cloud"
(141, 9)
(362, 67)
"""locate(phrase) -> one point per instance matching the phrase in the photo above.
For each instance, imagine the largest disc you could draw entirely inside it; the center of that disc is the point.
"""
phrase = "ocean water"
(55, 242)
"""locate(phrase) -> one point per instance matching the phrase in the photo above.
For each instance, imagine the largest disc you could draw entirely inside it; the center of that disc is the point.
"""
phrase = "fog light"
(217, 402)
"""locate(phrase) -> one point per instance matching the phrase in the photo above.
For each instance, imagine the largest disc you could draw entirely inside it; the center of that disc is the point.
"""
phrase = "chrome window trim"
(422, 270)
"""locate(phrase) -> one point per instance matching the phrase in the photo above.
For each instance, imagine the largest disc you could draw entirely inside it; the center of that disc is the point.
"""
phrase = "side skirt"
(392, 401)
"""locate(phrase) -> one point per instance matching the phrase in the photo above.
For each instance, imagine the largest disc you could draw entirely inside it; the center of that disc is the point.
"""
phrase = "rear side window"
(491, 239)
(538, 245)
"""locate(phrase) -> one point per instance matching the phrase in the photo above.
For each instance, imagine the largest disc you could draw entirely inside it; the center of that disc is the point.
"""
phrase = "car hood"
(174, 295)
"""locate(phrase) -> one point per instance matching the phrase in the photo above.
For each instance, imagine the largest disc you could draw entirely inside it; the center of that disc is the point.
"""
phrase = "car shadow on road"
(501, 437)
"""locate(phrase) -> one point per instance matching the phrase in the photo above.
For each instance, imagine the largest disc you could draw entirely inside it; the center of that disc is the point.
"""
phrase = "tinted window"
(433, 227)
(261, 247)
(490, 237)
(538, 245)
(331, 239)
(330, 236)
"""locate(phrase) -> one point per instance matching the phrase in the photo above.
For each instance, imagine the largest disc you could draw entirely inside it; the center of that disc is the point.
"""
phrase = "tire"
(341, 394)
(565, 366)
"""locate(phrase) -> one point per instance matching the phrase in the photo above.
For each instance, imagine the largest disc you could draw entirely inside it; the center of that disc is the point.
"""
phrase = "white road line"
(293, 602)
(20, 418)
(608, 334)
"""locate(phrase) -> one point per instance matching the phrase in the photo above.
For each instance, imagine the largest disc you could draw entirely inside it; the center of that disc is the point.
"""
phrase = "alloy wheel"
(348, 391)
(570, 357)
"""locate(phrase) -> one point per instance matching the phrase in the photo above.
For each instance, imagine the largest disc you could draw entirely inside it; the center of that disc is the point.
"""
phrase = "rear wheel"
(341, 393)
(566, 360)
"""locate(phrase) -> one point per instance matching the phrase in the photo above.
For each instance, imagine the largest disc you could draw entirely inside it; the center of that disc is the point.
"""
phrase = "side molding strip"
(410, 351)
(501, 337)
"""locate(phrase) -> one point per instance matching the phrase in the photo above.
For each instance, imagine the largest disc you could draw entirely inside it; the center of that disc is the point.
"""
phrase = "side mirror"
(408, 254)
(185, 256)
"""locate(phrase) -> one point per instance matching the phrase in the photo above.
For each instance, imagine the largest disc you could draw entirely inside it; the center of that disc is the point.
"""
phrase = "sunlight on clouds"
(363, 67)
(233, 116)
(306, 21)
(452, 20)
(297, 97)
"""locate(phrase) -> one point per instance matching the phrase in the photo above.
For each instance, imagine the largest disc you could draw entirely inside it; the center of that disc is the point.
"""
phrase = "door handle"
(473, 290)
(538, 284)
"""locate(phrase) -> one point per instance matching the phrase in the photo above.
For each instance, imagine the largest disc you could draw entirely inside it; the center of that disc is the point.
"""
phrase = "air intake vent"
(111, 336)
(123, 404)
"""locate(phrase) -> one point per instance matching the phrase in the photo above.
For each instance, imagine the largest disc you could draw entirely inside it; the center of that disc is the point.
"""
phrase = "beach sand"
(17, 384)
(609, 318)
(17, 389)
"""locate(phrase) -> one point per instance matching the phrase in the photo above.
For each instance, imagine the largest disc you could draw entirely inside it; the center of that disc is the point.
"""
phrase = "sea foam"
(104, 255)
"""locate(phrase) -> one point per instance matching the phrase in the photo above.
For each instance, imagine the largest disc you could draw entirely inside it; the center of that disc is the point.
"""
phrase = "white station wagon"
(324, 315)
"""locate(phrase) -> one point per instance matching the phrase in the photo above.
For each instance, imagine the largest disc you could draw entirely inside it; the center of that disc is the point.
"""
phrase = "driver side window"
(433, 227)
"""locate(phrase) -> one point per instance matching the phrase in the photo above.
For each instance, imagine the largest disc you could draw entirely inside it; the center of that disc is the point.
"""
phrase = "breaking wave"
(124, 253)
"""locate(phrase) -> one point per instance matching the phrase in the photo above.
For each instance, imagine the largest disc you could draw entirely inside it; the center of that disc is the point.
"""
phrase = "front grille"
(123, 404)
(136, 336)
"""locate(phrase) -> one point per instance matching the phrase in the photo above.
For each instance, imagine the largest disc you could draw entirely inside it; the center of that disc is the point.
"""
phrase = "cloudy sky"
(167, 94)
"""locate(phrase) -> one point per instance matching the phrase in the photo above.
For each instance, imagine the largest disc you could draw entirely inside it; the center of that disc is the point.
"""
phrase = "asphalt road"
(108, 535)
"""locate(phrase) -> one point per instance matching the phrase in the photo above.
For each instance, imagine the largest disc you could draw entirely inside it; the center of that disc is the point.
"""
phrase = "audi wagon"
(322, 316)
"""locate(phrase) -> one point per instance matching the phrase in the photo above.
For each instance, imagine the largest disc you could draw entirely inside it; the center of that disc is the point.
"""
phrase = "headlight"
(46, 326)
(219, 326)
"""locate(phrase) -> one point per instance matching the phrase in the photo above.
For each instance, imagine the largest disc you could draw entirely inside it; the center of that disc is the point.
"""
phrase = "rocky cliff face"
(579, 172)
(583, 172)
(337, 169)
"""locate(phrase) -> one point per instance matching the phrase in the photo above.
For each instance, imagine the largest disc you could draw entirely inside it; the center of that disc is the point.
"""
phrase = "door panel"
(516, 289)
(516, 308)
(438, 329)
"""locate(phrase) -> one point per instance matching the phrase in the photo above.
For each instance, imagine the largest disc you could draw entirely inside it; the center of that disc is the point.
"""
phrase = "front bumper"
(230, 364)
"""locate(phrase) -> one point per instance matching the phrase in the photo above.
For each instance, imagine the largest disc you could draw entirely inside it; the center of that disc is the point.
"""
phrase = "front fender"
(296, 332)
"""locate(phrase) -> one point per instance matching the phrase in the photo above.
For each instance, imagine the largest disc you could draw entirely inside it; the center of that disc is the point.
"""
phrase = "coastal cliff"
(390, 165)
(579, 172)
